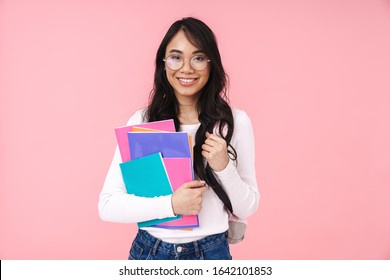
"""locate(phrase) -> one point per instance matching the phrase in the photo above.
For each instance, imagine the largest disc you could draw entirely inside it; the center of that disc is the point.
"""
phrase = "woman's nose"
(187, 67)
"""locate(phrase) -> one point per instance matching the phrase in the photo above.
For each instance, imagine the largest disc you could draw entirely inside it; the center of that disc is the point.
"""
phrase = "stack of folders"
(156, 161)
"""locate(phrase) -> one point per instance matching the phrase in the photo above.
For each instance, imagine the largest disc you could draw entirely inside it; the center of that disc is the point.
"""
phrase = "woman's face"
(186, 82)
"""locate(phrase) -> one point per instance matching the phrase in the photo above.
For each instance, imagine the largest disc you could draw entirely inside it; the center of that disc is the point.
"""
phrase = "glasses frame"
(207, 60)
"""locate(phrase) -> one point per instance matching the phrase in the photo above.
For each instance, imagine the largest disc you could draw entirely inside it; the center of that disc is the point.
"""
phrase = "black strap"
(216, 186)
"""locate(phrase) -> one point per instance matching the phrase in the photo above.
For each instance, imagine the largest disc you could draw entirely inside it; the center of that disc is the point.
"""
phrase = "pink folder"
(179, 172)
(122, 139)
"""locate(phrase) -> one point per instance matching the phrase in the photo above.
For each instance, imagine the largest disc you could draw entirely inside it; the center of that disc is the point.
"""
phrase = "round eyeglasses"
(175, 62)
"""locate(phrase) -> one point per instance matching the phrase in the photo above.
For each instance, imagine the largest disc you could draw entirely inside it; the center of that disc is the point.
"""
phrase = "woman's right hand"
(187, 200)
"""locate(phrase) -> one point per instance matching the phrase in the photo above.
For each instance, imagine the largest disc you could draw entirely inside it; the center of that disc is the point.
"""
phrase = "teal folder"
(147, 177)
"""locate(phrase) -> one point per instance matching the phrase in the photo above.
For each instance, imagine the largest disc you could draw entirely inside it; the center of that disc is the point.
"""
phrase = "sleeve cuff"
(166, 209)
(229, 169)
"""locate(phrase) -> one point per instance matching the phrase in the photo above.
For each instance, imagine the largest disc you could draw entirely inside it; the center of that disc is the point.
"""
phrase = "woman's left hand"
(214, 150)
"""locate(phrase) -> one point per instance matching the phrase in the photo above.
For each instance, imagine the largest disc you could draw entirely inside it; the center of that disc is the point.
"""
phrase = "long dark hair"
(214, 110)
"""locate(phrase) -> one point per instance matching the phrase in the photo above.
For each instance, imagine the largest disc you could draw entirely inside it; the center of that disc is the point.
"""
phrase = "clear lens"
(175, 62)
(199, 62)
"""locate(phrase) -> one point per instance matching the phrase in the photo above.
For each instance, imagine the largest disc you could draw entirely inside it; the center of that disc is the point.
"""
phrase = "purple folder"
(169, 144)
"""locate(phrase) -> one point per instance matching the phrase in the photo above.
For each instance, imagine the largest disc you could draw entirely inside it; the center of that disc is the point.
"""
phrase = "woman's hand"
(214, 150)
(187, 200)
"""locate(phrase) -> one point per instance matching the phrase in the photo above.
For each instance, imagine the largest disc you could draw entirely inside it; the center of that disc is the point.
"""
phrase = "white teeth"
(186, 80)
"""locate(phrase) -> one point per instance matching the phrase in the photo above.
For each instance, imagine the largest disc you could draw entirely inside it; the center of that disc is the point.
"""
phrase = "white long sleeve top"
(238, 180)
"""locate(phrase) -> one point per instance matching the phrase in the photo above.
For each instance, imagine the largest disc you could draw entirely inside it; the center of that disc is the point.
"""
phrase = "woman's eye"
(175, 57)
(199, 58)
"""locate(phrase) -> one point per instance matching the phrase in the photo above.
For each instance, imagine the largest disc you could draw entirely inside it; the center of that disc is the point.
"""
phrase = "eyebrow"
(179, 51)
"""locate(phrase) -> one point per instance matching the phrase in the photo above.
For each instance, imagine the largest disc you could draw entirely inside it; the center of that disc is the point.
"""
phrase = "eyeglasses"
(175, 62)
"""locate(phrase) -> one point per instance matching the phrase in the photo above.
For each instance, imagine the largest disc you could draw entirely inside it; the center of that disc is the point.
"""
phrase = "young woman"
(190, 87)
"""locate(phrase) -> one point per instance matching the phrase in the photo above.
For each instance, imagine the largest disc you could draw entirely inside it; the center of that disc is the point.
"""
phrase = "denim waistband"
(195, 246)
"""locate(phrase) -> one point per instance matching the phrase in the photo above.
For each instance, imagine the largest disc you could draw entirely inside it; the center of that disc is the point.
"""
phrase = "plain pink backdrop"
(312, 75)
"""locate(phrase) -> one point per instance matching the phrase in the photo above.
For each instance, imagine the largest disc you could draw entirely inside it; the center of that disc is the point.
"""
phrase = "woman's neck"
(188, 114)
(188, 109)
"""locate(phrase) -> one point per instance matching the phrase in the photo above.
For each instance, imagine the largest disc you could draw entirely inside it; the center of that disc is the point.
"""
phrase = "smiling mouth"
(187, 81)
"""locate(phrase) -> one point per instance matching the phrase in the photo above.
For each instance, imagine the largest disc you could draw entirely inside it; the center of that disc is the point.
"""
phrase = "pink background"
(314, 76)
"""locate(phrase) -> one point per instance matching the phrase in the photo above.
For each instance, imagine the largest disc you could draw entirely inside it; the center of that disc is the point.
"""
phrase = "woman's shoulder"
(242, 125)
(240, 116)
(139, 116)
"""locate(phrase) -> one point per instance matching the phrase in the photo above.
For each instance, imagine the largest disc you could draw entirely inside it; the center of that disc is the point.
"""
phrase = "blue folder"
(169, 144)
(147, 177)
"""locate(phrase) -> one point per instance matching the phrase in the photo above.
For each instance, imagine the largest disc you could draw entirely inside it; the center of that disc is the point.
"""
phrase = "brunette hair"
(214, 110)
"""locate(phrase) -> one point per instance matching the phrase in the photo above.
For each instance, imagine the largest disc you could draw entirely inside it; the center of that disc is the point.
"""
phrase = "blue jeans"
(147, 247)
